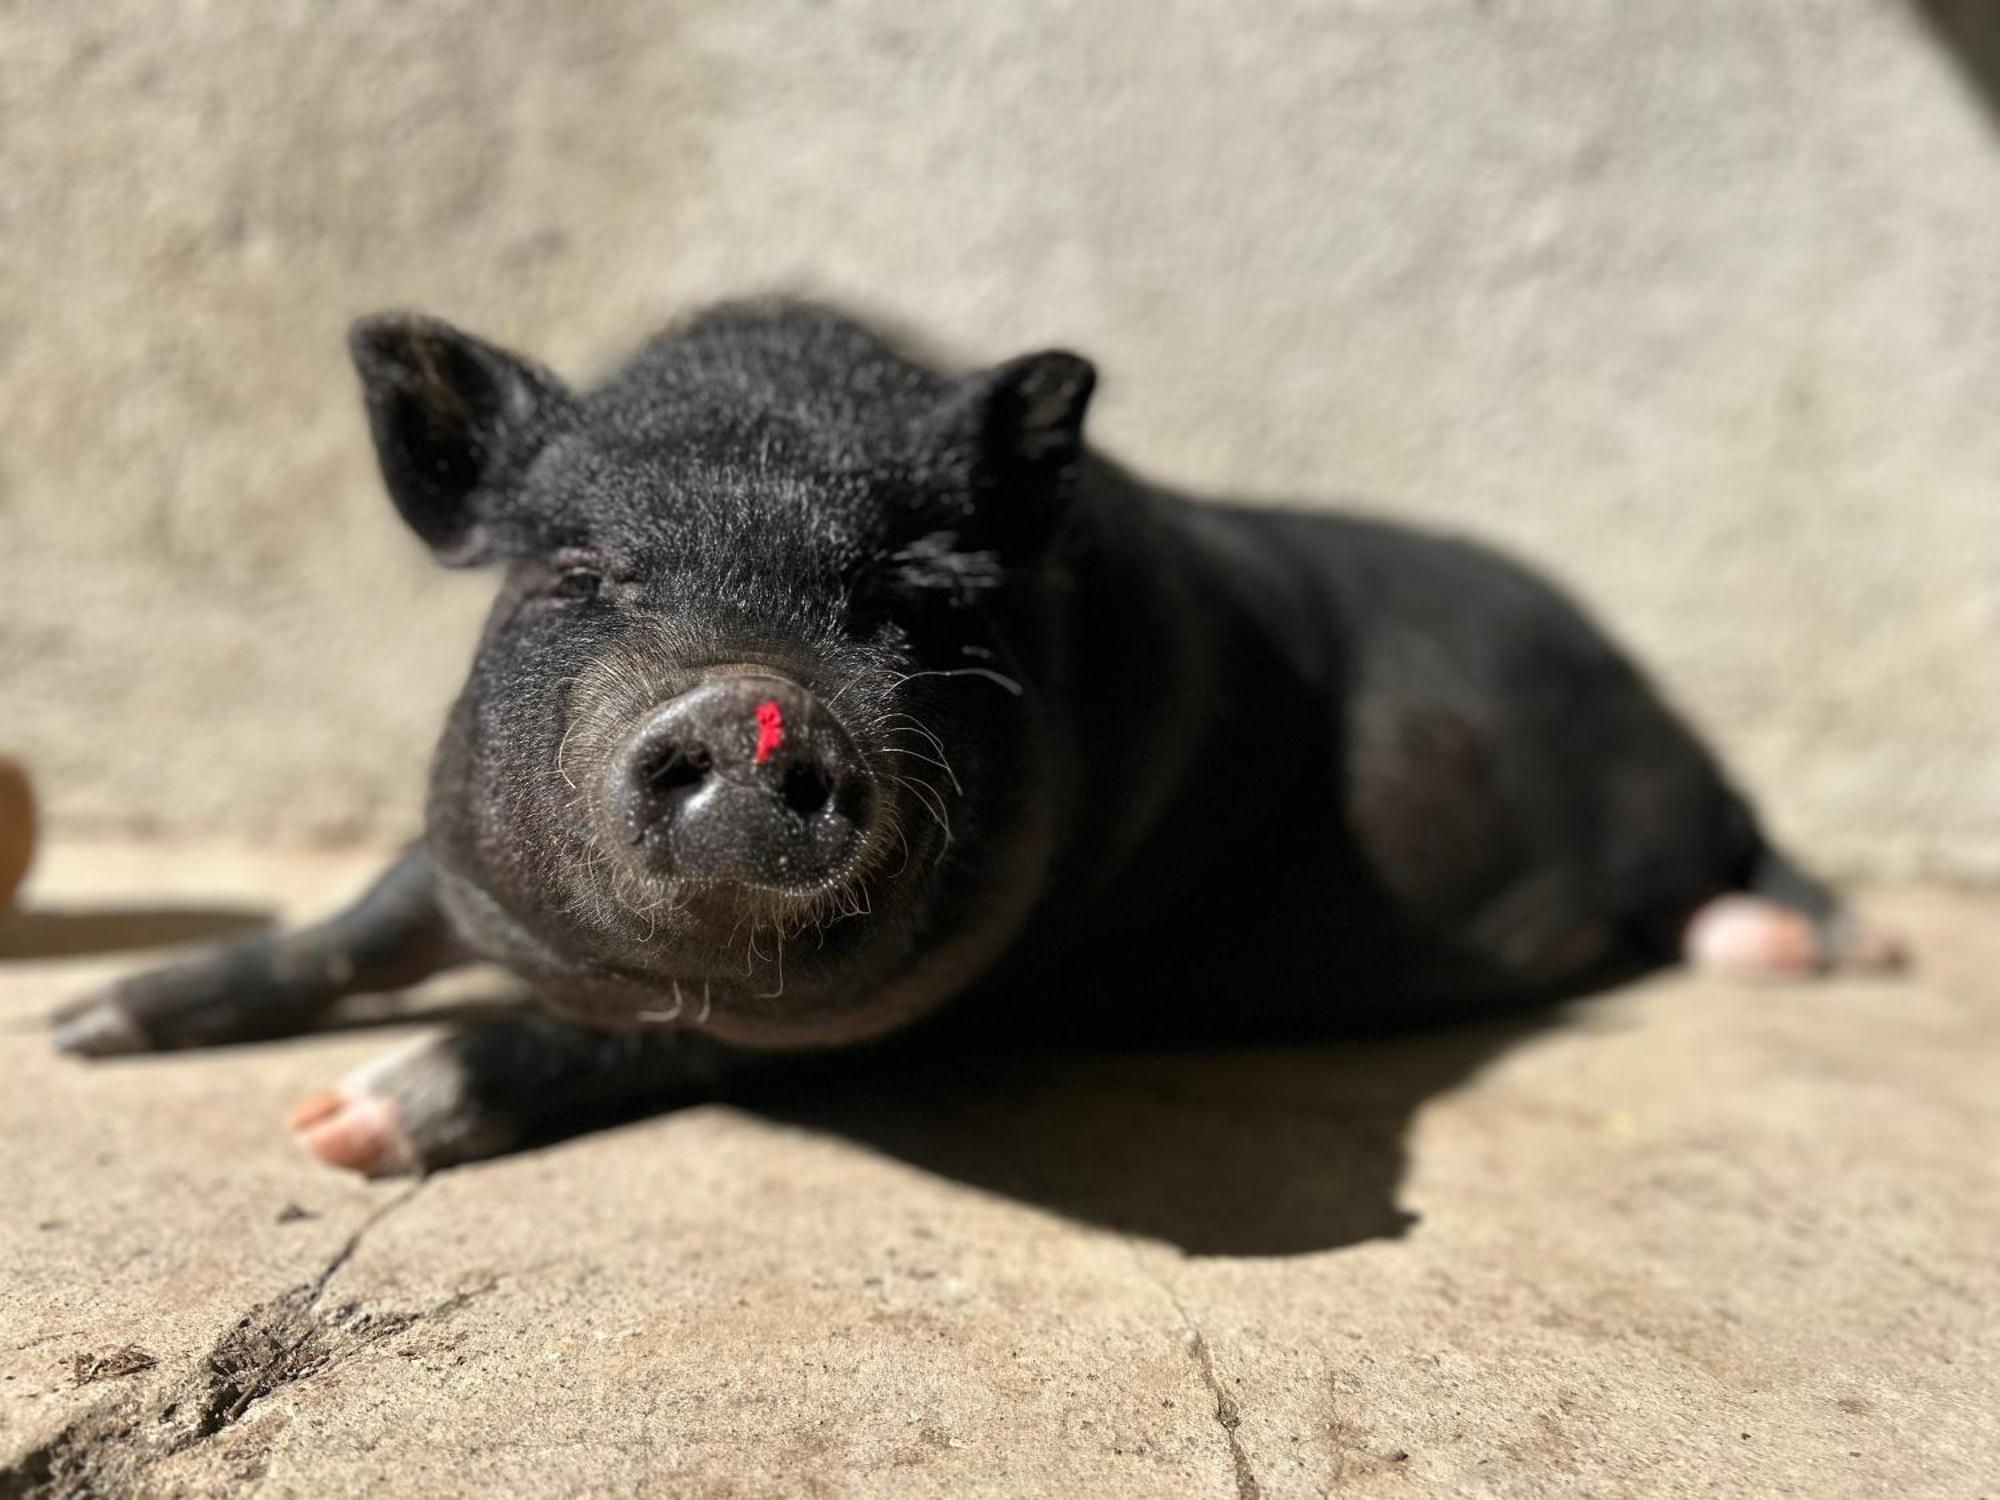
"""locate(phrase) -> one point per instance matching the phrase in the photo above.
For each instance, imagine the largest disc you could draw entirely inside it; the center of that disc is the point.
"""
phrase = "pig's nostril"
(675, 767)
(742, 779)
(807, 788)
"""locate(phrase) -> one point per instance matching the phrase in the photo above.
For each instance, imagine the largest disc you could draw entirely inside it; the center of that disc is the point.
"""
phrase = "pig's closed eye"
(576, 584)
(569, 577)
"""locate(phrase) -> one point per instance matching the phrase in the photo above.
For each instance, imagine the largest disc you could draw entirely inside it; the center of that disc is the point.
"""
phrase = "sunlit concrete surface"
(1693, 1237)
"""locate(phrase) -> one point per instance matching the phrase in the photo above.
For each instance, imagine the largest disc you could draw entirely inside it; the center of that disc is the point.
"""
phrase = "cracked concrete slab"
(1690, 1237)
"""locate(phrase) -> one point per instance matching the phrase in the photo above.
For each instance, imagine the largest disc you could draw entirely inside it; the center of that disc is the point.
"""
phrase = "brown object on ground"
(1582, 1257)
(88, 1367)
(17, 829)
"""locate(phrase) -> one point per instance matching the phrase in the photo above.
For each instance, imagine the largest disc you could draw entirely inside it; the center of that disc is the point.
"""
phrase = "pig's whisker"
(928, 795)
(914, 725)
(778, 934)
(562, 747)
(999, 678)
(929, 760)
(667, 1015)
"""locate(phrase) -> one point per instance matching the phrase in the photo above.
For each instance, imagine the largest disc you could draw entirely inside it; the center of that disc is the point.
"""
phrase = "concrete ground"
(1693, 1237)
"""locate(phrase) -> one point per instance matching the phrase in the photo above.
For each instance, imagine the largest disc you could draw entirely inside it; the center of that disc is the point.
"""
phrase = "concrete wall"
(1695, 304)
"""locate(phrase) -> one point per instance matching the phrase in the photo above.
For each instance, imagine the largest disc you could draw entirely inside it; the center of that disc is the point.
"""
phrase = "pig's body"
(783, 604)
(1330, 773)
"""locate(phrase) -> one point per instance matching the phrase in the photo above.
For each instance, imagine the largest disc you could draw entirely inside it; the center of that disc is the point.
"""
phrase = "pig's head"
(753, 738)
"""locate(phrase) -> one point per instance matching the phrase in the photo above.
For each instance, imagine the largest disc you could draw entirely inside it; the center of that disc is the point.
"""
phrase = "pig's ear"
(455, 420)
(1018, 429)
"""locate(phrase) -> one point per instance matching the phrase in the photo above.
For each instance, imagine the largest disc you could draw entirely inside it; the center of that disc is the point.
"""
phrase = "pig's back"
(1449, 790)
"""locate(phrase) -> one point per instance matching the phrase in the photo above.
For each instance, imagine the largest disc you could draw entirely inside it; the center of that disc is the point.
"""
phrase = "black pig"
(828, 697)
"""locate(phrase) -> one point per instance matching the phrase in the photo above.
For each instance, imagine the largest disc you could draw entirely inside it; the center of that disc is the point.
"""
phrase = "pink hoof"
(1757, 938)
(1753, 938)
(359, 1133)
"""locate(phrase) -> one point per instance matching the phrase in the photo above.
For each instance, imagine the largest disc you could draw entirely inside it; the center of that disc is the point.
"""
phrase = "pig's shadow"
(1247, 1153)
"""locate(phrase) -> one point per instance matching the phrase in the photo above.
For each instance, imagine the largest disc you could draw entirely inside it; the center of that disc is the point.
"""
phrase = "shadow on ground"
(1265, 1151)
(1279, 1151)
(65, 933)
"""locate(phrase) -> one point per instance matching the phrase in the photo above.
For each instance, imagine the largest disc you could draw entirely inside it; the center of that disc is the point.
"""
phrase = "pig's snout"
(745, 779)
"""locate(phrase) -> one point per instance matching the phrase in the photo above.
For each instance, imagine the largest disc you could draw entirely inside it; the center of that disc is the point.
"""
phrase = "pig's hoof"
(98, 1028)
(1751, 937)
(411, 1111)
(361, 1132)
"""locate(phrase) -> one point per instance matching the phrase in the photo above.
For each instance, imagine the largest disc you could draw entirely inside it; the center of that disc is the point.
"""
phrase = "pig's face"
(752, 740)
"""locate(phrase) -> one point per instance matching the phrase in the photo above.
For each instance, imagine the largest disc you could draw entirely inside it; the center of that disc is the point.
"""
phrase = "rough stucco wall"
(1693, 304)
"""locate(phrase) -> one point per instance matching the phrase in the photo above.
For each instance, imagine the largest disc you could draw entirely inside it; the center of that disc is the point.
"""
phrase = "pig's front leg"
(492, 1088)
(274, 984)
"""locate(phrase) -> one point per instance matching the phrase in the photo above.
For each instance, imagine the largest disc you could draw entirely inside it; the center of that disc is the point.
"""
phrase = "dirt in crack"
(109, 1448)
(1227, 1418)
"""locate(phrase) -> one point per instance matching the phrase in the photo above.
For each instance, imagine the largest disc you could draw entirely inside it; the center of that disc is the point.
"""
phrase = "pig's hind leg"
(273, 984)
(1786, 924)
(492, 1088)
(1544, 864)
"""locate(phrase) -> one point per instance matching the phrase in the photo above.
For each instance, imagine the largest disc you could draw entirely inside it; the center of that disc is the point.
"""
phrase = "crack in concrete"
(109, 1448)
(1227, 1415)
(361, 1231)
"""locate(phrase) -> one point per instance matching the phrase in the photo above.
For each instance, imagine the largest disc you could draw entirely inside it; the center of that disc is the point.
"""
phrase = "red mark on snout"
(770, 729)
